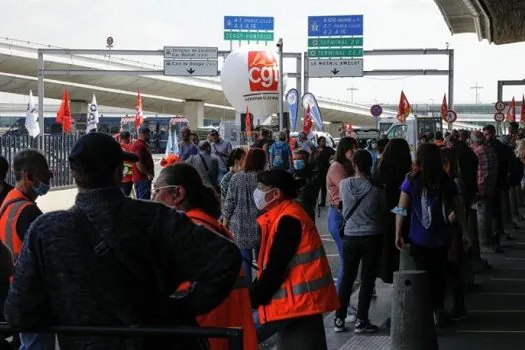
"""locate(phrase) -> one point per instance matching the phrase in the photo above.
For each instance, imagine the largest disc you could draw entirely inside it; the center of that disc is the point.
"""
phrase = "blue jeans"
(143, 189)
(335, 219)
(33, 341)
(247, 266)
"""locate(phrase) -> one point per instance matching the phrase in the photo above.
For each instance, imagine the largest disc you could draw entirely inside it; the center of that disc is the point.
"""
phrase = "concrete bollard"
(412, 326)
(406, 262)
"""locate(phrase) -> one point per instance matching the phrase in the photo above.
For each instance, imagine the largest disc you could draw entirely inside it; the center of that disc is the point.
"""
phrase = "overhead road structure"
(498, 21)
(162, 94)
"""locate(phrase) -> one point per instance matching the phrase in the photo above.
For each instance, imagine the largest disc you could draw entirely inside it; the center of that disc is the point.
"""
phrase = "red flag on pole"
(307, 123)
(444, 107)
(350, 130)
(511, 113)
(522, 113)
(64, 113)
(139, 118)
(248, 123)
(404, 108)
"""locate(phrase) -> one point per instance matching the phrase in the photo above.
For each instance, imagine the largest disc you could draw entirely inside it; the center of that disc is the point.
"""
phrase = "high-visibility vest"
(127, 172)
(308, 288)
(14, 203)
(235, 310)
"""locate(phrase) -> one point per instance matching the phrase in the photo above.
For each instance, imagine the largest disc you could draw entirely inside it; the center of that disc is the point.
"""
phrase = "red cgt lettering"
(262, 71)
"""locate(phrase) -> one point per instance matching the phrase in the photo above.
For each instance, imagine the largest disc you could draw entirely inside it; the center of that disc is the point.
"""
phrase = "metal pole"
(306, 78)
(281, 83)
(40, 73)
(298, 85)
(450, 82)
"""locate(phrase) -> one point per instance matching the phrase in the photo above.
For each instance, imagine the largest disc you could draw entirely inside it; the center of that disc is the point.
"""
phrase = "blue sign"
(335, 25)
(248, 23)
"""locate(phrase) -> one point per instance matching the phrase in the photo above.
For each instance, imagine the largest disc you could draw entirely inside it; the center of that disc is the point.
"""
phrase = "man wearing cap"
(486, 179)
(294, 285)
(206, 164)
(115, 261)
(220, 149)
(143, 169)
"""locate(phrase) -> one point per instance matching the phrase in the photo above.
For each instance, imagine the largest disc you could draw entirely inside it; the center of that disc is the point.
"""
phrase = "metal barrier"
(56, 149)
(234, 335)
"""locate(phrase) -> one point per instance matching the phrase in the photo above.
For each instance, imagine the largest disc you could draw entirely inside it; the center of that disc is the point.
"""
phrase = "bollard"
(513, 202)
(412, 326)
(406, 261)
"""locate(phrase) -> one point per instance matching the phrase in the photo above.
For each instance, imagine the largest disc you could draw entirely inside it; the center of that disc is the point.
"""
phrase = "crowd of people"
(186, 252)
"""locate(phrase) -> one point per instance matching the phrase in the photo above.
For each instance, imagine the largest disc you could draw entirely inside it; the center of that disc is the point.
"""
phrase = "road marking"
(505, 294)
(332, 255)
(327, 240)
(519, 259)
(490, 331)
(513, 269)
(508, 279)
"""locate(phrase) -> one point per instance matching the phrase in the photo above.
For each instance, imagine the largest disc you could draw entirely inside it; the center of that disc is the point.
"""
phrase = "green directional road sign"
(249, 36)
(328, 42)
(327, 53)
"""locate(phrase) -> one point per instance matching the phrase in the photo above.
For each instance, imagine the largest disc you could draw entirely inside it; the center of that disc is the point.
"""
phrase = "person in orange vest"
(294, 284)
(127, 173)
(18, 211)
(180, 186)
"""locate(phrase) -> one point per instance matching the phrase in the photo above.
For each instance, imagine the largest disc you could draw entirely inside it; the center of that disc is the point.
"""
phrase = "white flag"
(172, 146)
(31, 117)
(92, 116)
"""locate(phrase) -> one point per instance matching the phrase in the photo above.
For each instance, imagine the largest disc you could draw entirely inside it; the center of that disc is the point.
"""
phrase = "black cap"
(280, 179)
(98, 153)
(214, 133)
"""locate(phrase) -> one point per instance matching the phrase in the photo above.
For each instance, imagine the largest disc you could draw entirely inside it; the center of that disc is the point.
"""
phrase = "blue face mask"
(42, 189)
(298, 164)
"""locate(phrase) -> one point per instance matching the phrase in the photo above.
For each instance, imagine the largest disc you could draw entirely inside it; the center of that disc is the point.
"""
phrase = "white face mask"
(259, 197)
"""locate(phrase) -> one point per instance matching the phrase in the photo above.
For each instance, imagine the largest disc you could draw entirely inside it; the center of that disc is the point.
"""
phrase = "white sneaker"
(352, 315)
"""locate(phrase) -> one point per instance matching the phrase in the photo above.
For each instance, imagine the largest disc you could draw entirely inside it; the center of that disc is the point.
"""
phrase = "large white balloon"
(250, 79)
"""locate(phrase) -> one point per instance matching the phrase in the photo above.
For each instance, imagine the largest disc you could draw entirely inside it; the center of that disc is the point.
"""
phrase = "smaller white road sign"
(191, 68)
(352, 67)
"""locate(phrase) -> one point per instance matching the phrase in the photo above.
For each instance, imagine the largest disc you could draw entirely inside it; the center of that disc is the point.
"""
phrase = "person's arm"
(283, 249)
(27, 303)
(215, 170)
(482, 174)
(143, 153)
(229, 202)
(26, 218)
(208, 260)
(401, 212)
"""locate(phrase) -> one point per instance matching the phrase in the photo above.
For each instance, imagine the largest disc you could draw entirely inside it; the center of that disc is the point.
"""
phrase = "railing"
(234, 335)
(56, 151)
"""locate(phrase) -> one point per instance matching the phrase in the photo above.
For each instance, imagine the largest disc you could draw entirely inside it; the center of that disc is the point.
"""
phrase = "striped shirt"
(487, 170)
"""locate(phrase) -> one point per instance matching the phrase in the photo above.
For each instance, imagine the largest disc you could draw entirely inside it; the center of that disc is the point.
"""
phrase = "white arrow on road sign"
(191, 68)
(352, 67)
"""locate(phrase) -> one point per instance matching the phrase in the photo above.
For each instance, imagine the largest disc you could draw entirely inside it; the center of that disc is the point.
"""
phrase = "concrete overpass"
(498, 21)
(193, 97)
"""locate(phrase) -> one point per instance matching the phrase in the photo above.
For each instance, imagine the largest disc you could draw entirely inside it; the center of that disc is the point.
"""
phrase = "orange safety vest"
(235, 310)
(127, 172)
(14, 203)
(309, 287)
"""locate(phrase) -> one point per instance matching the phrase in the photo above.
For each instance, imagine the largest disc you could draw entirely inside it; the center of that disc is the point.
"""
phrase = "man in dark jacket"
(307, 180)
(112, 260)
(504, 154)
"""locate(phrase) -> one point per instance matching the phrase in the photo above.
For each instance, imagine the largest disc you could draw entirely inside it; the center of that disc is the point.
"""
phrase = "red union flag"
(444, 107)
(511, 113)
(263, 72)
(307, 123)
(404, 108)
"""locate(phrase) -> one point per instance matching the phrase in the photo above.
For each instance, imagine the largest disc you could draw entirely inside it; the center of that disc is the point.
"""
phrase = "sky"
(388, 24)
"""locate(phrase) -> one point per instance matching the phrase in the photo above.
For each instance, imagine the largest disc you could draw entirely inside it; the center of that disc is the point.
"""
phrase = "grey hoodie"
(366, 219)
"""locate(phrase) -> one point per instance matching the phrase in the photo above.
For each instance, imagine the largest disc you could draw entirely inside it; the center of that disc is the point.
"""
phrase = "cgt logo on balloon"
(263, 72)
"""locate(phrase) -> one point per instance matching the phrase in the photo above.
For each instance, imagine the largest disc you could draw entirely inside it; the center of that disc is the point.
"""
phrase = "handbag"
(351, 212)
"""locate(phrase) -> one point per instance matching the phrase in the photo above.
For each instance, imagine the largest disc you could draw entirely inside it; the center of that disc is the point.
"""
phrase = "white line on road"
(508, 279)
(498, 311)
(490, 331)
(332, 255)
(519, 259)
(505, 294)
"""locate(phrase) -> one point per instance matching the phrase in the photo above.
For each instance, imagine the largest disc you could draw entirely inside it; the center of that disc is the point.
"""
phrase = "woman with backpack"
(363, 208)
(428, 195)
(280, 153)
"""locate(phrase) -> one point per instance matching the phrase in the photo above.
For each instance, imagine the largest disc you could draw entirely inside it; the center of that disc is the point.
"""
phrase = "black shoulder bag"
(351, 212)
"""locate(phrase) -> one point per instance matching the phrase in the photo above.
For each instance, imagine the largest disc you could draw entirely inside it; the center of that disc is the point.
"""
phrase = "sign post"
(335, 46)
(450, 118)
(376, 111)
(191, 61)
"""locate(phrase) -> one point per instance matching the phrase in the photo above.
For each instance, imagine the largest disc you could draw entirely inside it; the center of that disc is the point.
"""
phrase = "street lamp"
(352, 89)
(281, 83)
